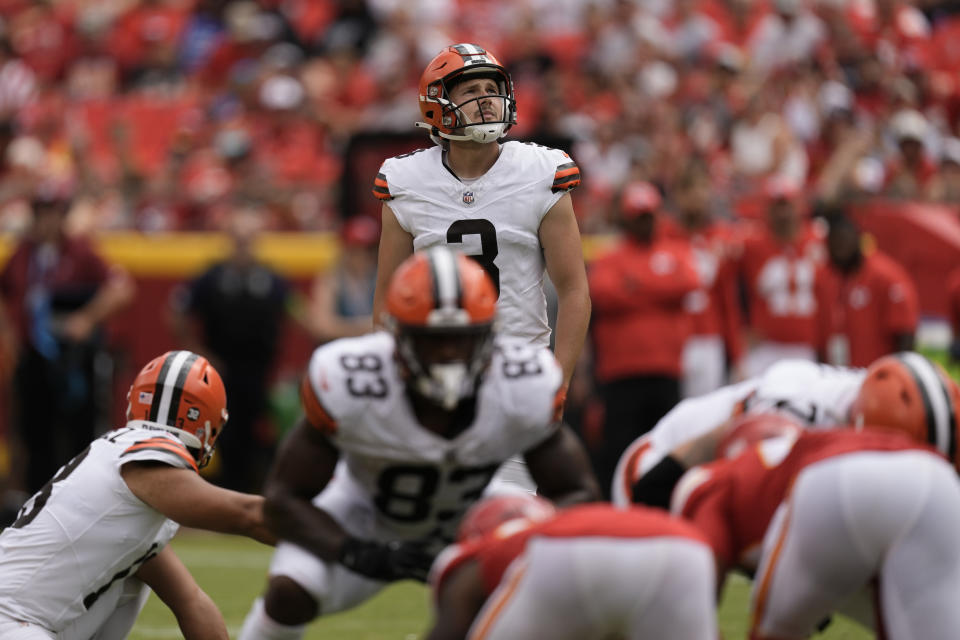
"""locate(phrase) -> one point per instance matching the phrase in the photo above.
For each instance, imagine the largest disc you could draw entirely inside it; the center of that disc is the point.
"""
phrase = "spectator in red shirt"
(639, 324)
(56, 293)
(714, 308)
(778, 265)
(910, 172)
(953, 297)
(945, 185)
(867, 305)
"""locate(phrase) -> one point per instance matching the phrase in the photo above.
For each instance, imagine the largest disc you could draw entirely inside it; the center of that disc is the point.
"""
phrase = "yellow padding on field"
(178, 255)
(182, 254)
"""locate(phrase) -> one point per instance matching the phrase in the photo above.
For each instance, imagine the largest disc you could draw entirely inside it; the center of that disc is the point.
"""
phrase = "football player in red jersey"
(590, 571)
(821, 515)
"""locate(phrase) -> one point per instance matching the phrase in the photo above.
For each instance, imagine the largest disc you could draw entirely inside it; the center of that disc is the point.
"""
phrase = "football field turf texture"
(233, 571)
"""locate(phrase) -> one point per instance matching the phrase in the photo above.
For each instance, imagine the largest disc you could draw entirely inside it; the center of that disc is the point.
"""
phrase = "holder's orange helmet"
(907, 392)
(440, 306)
(182, 393)
(442, 116)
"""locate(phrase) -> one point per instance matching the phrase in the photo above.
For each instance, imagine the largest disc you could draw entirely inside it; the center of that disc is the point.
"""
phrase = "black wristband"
(655, 487)
(394, 560)
(365, 557)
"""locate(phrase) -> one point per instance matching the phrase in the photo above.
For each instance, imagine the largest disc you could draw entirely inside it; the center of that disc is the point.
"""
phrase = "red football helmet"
(489, 514)
(182, 393)
(909, 393)
(441, 306)
(750, 428)
(442, 116)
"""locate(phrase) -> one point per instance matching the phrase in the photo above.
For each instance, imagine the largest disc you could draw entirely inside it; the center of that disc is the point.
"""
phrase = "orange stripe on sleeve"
(763, 591)
(630, 468)
(500, 600)
(566, 186)
(381, 190)
(566, 177)
(164, 446)
(317, 414)
(159, 440)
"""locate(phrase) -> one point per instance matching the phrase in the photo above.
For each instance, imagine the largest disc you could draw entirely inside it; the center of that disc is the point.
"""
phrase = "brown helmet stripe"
(169, 387)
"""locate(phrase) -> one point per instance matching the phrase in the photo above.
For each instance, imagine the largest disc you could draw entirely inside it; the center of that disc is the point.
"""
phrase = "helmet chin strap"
(481, 133)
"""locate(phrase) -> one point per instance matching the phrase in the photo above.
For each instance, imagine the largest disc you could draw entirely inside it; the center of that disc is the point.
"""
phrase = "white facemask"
(445, 383)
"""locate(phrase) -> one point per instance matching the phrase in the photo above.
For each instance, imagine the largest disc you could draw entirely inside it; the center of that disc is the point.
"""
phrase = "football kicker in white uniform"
(505, 204)
(78, 561)
(495, 220)
(402, 432)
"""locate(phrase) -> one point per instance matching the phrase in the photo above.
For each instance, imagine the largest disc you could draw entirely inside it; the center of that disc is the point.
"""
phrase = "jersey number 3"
(488, 243)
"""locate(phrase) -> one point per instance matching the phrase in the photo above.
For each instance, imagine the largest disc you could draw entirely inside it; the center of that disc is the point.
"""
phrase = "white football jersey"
(84, 532)
(420, 482)
(495, 219)
(817, 395)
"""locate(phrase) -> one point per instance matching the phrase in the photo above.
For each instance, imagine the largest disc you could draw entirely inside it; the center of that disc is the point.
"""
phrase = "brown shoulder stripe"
(381, 190)
(166, 445)
(566, 177)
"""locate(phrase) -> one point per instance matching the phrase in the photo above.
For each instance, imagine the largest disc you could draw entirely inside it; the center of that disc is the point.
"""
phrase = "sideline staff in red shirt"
(639, 325)
(867, 305)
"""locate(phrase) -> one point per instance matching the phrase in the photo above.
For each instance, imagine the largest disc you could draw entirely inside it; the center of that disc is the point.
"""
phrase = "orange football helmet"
(182, 393)
(489, 514)
(440, 306)
(907, 392)
(750, 428)
(442, 116)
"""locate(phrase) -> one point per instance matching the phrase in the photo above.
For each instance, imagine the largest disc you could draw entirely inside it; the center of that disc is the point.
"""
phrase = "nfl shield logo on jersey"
(468, 197)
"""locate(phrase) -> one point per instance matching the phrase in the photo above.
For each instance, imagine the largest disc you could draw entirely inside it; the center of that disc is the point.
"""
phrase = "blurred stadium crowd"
(186, 115)
(154, 113)
(727, 148)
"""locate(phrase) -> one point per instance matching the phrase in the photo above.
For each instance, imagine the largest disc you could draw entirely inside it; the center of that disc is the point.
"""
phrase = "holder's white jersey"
(420, 482)
(494, 219)
(84, 532)
(817, 395)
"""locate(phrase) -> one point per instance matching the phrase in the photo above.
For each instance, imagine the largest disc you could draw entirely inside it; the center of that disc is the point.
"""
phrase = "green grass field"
(233, 571)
